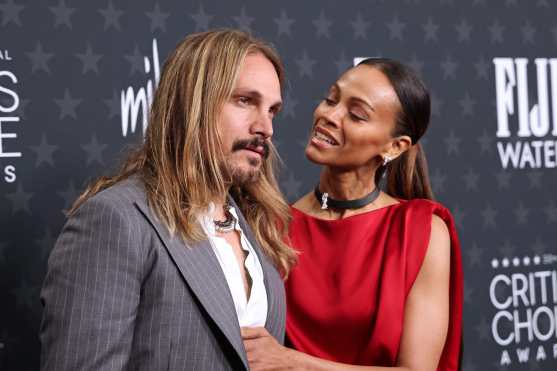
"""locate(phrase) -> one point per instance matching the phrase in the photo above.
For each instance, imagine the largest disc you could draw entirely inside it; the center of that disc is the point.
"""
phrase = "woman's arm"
(426, 318)
(426, 314)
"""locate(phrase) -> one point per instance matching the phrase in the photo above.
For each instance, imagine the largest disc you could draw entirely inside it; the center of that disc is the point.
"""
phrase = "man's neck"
(218, 211)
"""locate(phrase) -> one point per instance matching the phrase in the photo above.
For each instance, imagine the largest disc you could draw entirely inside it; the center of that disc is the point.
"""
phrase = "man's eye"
(329, 101)
(244, 100)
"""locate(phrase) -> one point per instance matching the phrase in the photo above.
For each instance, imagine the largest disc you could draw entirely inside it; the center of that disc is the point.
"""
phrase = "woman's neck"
(347, 185)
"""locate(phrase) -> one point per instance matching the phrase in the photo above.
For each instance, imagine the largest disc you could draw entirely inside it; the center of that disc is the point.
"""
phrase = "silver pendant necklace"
(228, 224)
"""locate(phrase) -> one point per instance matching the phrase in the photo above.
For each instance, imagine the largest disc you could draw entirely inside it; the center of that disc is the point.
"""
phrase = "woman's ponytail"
(407, 176)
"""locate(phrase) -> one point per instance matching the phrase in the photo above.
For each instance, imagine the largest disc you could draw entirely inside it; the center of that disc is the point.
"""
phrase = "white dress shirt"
(252, 311)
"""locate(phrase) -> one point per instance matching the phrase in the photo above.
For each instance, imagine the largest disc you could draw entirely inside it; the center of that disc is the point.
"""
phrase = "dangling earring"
(386, 160)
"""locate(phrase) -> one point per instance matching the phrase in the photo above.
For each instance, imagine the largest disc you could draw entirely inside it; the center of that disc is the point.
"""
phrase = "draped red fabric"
(346, 296)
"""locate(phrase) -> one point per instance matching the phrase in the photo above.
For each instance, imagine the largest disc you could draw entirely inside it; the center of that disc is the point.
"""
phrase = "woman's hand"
(264, 352)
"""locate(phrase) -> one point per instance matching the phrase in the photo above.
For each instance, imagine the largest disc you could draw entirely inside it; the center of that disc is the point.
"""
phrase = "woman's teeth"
(323, 138)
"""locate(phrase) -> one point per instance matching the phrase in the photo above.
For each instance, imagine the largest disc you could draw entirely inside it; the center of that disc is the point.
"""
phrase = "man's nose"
(263, 124)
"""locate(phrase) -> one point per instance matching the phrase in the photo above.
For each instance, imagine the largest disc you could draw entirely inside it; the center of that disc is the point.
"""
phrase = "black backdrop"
(64, 65)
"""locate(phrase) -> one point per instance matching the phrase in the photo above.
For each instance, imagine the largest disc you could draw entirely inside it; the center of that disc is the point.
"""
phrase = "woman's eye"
(328, 101)
(356, 117)
(244, 100)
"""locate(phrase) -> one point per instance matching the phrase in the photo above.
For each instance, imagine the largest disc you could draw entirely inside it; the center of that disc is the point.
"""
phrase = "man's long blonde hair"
(180, 161)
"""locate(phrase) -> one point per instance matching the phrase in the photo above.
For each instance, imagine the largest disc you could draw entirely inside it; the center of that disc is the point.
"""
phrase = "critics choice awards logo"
(523, 295)
(9, 104)
(526, 115)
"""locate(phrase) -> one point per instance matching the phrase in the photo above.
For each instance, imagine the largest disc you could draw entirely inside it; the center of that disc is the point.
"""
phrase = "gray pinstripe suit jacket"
(121, 293)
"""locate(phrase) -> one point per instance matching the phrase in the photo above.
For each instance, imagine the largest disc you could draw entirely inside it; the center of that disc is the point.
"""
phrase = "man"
(160, 265)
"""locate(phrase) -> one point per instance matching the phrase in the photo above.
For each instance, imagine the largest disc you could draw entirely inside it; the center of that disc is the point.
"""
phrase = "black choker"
(327, 202)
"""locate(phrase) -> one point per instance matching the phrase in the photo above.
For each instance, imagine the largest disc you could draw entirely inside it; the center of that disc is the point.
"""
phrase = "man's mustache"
(251, 144)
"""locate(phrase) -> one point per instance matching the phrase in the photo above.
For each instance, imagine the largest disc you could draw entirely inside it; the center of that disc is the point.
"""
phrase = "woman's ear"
(398, 146)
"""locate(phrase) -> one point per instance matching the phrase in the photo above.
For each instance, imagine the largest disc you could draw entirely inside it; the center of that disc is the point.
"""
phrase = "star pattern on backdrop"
(503, 179)
(360, 27)
(459, 214)
(449, 66)
(27, 296)
(538, 247)
(322, 25)
(521, 213)
(201, 19)
(94, 151)
(474, 255)
(430, 29)
(550, 211)
(452, 143)
(471, 179)
(488, 216)
(496, 31)
(78, 47)
(39, 59)
(284, 24)
(528, 33)
(69, 195)
(44, 152)
(111, 16)
(305, 65)
(20, 111)
(11, 12)
(67, 105)
(289, 108)
(485, 142)
(396, 28)
(113, 105)
(158, 18)
(46, 243)
(467, 105)
(62, 14)
(416, 64)
(535, 179)
(482, 68)
(436, 105)
(291, 186)
(464, 31)
(438, 179)
(20, 200)
(136, 61)
(342, 63)
(89, 60)
(243, 20)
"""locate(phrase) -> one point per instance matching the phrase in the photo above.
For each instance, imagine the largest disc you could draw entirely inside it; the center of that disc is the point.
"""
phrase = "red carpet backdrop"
(76, 79)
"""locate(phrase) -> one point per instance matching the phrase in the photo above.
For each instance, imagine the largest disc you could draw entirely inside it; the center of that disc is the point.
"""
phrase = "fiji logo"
(531, 123)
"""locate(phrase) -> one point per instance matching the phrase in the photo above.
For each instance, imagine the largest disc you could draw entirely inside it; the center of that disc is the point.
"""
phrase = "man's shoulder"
(121, 195)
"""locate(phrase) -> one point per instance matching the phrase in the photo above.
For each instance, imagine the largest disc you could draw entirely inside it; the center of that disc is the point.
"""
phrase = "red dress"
(347, 294)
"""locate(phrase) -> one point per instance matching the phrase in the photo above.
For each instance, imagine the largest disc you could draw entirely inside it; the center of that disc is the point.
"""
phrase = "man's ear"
(398, 146)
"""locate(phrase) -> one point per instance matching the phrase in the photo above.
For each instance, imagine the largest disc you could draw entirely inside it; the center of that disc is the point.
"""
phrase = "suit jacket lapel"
(201, 270)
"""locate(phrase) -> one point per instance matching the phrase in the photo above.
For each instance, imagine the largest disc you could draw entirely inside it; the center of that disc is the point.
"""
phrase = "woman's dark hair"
(407, 177)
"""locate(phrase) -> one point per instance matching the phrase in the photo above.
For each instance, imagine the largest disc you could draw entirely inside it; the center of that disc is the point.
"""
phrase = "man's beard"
(238, 175)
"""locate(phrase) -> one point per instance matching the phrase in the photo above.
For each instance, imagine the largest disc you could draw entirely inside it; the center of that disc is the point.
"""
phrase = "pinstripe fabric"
(122, 294)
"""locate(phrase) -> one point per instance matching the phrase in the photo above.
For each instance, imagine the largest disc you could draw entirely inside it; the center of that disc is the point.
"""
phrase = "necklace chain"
(228, 224)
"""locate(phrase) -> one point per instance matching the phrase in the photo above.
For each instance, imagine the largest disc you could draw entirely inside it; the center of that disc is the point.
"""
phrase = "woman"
(379, 278)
